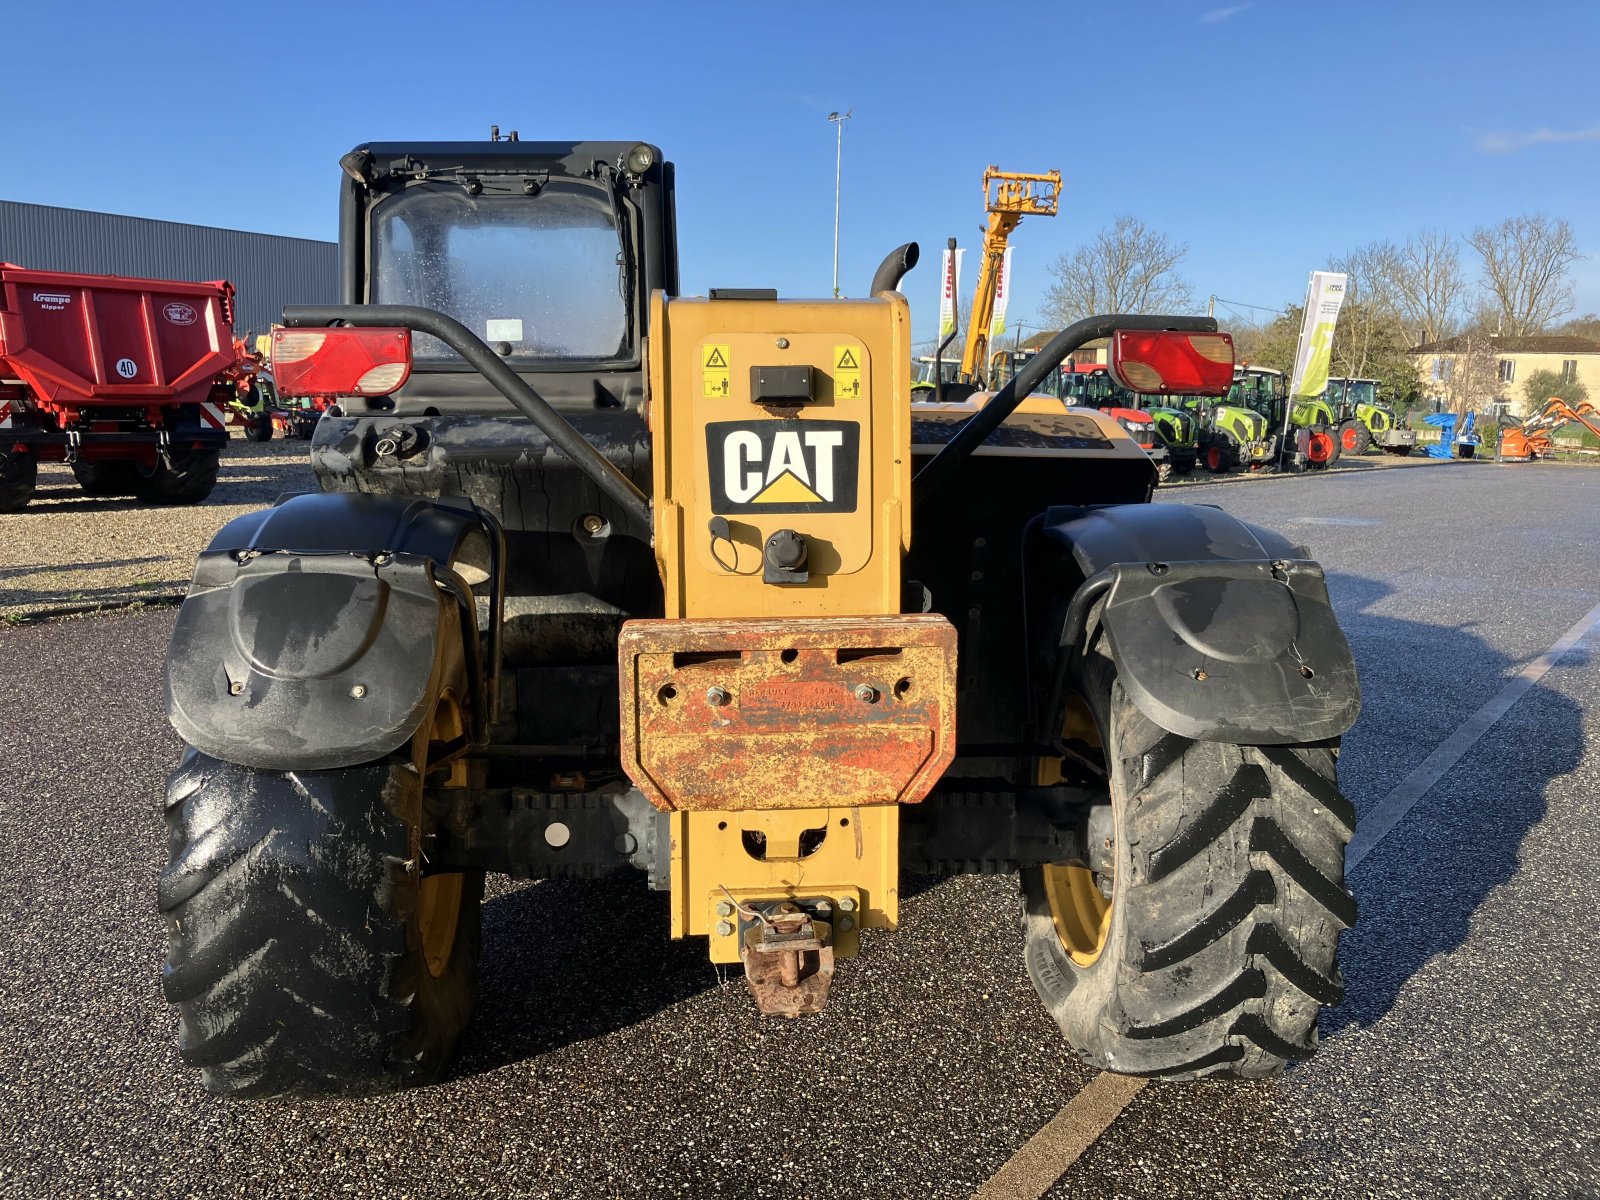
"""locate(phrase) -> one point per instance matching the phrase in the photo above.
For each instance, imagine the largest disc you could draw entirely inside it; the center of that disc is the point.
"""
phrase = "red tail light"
(1165, 363)
(341, 361)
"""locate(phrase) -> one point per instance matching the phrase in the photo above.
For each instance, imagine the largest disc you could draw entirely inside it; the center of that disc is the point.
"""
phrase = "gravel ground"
(71, 551)
(67, 549)
(607, 1061)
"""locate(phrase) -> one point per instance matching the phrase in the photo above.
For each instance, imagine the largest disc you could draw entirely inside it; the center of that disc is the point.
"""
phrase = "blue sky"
(1267, 135)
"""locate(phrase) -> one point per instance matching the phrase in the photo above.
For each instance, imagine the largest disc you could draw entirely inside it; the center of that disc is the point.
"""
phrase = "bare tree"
(1426, 285)
(1586, 326)
(1527, 271)
(1249, 339)
(1369, 313)
(1469, 376)
(1128, 268)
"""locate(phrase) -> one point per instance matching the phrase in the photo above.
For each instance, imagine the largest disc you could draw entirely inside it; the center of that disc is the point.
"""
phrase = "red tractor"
(126, 380)
(1091, 386)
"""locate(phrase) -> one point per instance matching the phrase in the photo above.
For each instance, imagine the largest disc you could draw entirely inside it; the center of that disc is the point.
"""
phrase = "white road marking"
(1391, 810)
(1044, 1158)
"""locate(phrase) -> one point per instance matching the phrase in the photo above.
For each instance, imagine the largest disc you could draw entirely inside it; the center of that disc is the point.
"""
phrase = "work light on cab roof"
(1166, 363)
(340, 362)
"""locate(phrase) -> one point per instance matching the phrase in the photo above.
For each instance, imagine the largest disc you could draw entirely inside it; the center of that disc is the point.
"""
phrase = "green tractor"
(1235, 434)
(1308, 439)
(1179, 431)
(1162, 427)
(1363, 421)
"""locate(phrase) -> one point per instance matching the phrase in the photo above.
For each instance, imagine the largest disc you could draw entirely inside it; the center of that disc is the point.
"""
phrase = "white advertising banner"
(1002, 292)
(1324, 297)
(951, 283)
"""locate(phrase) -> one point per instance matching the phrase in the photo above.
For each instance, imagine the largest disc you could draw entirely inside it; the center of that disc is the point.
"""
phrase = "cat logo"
(783, 466)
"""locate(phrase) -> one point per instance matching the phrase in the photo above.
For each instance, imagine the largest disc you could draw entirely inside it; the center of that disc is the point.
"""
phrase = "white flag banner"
(1324, 297)
(1002, 292)
(951, 284)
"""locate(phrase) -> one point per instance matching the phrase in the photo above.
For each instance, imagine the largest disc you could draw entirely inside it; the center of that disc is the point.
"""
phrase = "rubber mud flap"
(1222, 630)
(292, 661)
(1243, 652)
(310, 634)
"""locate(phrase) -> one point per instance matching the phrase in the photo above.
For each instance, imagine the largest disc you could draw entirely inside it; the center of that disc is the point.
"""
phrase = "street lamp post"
(838, 120)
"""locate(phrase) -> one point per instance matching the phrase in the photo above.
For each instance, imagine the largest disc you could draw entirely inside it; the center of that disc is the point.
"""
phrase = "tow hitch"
(787, 948)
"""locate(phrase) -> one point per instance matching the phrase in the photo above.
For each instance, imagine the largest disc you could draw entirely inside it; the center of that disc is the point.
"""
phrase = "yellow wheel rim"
(439, 896)
(438, 906)
(1079, 911)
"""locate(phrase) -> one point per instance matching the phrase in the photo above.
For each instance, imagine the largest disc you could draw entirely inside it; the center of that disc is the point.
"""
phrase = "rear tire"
(1354, 438)
(1164, 471)
(297, 958)
(1227, 900)
(179, 476)
(116, 478)
(19, 473)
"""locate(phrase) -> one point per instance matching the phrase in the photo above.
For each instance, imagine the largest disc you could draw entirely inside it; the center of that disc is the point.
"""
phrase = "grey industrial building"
(268, 271)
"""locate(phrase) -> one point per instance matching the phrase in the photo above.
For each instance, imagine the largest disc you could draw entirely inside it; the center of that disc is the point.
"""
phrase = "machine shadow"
(568, 960)
(270, 465)
(10, 572)
(260, 478)
(1422, 909)
(551, 948)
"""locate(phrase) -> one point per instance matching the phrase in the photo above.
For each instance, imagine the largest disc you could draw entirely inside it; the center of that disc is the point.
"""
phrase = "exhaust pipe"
(892, 269)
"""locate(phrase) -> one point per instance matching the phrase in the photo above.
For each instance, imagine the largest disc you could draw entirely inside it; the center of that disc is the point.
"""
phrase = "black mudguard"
(312, 633)
(1220, 630)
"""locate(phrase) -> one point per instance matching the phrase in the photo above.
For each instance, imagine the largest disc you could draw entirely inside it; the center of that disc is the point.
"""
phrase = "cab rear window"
(544, 276)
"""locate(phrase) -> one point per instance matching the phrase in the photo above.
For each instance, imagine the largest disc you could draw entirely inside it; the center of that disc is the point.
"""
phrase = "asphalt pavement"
(609, 1061)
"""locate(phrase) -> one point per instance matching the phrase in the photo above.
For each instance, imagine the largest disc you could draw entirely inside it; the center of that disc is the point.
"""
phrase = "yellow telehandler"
(604, 578)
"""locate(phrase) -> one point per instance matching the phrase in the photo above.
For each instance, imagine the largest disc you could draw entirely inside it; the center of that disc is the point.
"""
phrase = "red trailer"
(124, 379)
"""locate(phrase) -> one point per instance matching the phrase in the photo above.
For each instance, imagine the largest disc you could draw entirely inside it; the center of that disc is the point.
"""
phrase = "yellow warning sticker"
(714, 372)
(846, 373)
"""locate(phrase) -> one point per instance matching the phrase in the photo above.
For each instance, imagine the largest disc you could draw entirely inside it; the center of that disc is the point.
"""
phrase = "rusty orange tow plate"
(753, 713)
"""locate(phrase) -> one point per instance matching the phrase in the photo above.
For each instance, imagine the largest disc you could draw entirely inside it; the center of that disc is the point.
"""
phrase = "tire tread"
(1230, 918)
(286, 898)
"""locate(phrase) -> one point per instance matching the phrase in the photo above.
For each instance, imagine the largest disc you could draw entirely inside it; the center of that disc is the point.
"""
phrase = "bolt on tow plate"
(788, 956)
